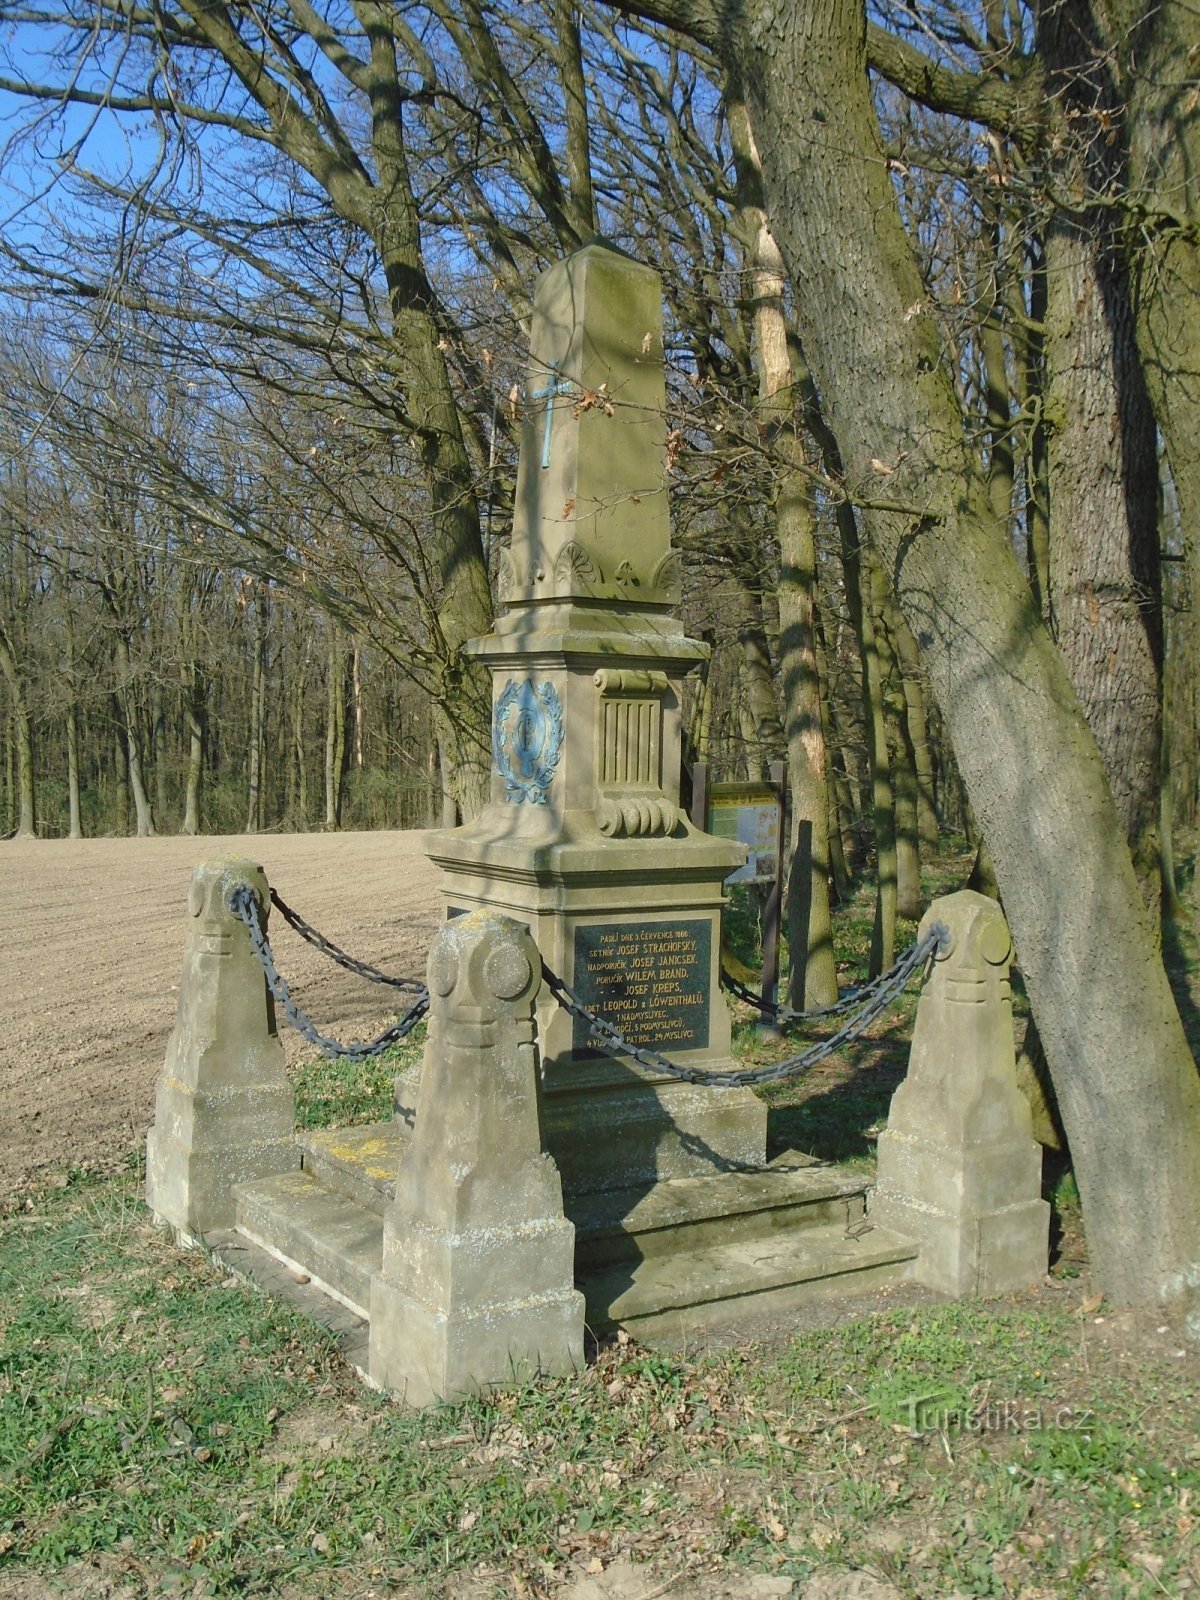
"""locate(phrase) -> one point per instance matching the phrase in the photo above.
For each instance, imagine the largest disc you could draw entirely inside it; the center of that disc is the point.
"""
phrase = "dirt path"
(91, 944)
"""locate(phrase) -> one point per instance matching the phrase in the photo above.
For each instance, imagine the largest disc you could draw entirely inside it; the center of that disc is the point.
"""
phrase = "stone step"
(359, 1163)
(694, 1291)
(315, 1230)
(694, 1213)
(623, 1224)
(689, 1264)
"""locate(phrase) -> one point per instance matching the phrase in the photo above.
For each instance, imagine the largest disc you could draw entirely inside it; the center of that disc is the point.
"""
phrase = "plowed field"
(91, 947)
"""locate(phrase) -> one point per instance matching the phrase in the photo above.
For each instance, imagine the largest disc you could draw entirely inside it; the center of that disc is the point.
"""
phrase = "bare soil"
(91, 947)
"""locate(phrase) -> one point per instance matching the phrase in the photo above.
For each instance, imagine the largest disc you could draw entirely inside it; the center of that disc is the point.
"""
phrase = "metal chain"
(335, 953)
(243, 902)
(784, 1015)
(884, 992)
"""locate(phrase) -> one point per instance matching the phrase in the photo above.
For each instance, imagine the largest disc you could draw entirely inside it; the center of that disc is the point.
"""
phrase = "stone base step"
(789, 1197)
(691, 1255)
(316, 1231)
(623, 1224)
(694, 1291)
(359, 1163)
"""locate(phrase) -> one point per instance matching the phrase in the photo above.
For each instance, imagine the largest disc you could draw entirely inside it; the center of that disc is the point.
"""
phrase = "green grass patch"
(336, 1092)
(167, 1426)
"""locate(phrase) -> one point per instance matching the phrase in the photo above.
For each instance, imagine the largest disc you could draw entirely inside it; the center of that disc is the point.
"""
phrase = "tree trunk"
(75, 820)
(812, 968)
(812, 965)
(462, 596)
(357, 691)
(22, 736)
(917, 725)
(133, 741)
(1103, 469)
(1152, 51)
(901, 758)
(193, 718)
(120, 769)
(300, 816)
(858, 597)
(1127, 1084)
(158, 747)
(762, 733)
(257, 736)
(335, 731)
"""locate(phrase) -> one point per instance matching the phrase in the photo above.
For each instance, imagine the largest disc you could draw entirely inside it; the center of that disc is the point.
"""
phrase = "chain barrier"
(244, 905)
(873, 999)
(883, 991)
(785, 1016)
(327, 948)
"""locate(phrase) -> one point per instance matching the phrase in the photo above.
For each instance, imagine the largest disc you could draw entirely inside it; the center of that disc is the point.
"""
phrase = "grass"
(165, 1430)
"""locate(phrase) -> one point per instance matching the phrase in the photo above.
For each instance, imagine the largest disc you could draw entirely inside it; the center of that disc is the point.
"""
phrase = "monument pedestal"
(584, 842)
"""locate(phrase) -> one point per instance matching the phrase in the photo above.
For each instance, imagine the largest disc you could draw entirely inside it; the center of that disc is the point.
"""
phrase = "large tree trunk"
(1102, 464)
(1126, 1081)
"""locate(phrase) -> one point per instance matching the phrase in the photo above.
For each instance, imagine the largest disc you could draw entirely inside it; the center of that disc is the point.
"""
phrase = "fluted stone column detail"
(959, 1170)
(476, 1287)
(224, 1111)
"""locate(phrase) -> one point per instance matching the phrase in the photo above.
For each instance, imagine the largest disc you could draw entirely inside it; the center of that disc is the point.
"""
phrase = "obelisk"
(583, 839)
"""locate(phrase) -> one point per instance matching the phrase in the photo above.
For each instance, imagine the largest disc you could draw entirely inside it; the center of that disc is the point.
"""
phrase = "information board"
(650, 979)
(749, 813)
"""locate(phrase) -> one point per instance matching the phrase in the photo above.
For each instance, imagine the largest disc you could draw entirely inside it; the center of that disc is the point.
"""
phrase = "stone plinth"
(584, 840)
(959, 1170)
(476, 1287)
(224, 1110)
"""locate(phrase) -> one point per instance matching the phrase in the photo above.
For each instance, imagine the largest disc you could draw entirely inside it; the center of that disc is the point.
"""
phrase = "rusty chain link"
(243, 903)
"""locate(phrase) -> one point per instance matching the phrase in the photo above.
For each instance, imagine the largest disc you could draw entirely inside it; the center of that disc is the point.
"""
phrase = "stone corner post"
(959, 1170)
(477, 1283)
(224, 1111)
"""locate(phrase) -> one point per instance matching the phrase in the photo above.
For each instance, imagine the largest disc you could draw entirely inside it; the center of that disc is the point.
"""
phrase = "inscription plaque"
(650, 979)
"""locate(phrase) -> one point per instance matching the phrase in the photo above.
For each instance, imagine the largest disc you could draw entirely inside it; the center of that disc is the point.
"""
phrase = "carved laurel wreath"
(539, 703)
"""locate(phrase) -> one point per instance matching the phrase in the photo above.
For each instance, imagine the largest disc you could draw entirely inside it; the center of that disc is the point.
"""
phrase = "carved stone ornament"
(527, 739)
(507, 582)
(668, 576)
(574, 569)
(637, 816)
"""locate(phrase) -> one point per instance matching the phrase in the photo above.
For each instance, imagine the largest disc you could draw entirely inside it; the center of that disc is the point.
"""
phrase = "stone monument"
(583, 840)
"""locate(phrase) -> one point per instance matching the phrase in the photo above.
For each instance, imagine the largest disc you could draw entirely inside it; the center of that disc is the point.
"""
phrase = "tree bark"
(902, 765)
(812, 967)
